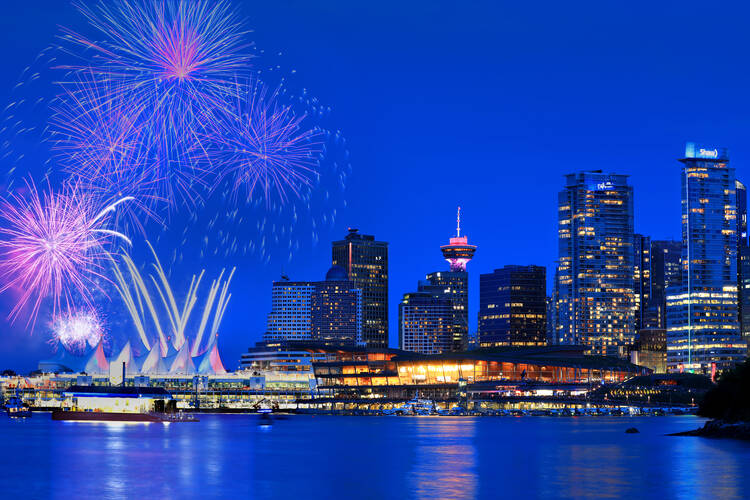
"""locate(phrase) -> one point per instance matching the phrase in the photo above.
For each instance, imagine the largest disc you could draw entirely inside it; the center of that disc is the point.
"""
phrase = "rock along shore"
(720, 429)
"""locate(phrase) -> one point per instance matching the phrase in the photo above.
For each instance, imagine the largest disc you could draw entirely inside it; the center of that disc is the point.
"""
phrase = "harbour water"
(233, 456)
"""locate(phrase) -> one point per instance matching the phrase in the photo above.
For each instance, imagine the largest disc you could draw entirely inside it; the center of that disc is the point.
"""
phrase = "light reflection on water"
(231, 456)
(445, 460)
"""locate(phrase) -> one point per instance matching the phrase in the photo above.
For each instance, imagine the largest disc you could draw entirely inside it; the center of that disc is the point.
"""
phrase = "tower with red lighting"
(458, 252)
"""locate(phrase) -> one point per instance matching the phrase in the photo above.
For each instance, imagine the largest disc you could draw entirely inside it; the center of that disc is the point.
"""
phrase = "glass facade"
(644, 318)
(702, 314)
(595, 287)
(666, 272)
(743, 262)
(366, 262)
(513, 306)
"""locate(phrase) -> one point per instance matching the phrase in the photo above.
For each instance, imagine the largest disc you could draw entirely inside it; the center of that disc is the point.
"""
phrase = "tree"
(730, 399)
(8, 373)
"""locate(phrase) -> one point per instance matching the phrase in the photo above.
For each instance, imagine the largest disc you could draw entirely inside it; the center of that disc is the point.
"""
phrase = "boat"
(119, 404)
(108, 416)
(415, 406)
(16, 408)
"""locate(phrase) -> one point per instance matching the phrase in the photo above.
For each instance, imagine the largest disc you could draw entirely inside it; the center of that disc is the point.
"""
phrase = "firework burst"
(173, 61)
(53, 245)
(264, 146)
(76, 330)
(99, 142)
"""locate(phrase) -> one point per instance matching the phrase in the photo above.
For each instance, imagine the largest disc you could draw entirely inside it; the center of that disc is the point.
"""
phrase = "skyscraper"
(743, 262)
(336, 309)
(513, 306)
(425, 323)
(702, 315)
(666, 272)
(290, 317)
(642, 281)
(595, 266)
(366, 263)
(454, 283)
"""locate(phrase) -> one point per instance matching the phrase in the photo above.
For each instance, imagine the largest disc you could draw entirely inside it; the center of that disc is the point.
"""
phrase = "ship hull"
(101, 416)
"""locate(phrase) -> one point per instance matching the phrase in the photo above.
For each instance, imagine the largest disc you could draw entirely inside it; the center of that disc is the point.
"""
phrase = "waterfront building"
(650, 350)
(366, 263)
(643, 315)
(743, 262)
(379, 376)
(666, 272)
(290, 317)
(336, 309)
(703, 332)
(426, 322)
(513, 306)
(595, 267)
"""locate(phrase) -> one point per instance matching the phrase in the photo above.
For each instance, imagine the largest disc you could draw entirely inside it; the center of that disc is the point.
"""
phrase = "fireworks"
(173, 62)
(52, 245)
(76, 330)
(135, 294)
(264, 146)
(99, 143)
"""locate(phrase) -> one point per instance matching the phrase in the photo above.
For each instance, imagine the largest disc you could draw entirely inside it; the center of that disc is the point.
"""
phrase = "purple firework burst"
(52, 244)
(264, 147)
(174, 61)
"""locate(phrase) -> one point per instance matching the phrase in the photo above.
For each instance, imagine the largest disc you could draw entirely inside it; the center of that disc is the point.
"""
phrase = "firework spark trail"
(52, 245)
(262, 144)
(175, 61)
(99, 142)
(76, 330)
(178, 318)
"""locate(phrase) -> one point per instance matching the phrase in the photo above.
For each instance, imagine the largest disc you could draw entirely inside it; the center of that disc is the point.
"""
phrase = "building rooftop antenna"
(458, 223)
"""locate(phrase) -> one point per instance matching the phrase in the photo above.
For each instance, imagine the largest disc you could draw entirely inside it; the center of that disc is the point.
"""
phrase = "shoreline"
(720, 429)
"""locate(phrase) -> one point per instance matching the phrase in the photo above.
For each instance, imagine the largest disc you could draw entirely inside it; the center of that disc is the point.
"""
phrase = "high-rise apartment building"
(513, 306)
(425, 323)
(290, 317)
(366, 263)
(595, 267)
(703, 332)
(336, 309)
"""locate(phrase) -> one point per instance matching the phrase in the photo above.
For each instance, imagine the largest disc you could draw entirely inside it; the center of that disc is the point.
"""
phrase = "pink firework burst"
(100, 142)
(264, 146)
(175, 62)
(52, 244)
(76, 330)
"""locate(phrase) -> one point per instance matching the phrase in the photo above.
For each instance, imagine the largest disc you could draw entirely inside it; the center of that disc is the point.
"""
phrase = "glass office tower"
(666, 272)
(513, 306)
(366, 263)
(595, 289)
(703, 332)
(743, 262)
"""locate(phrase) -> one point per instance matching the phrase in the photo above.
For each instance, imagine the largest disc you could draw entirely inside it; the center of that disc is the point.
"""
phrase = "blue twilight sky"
(483, 104)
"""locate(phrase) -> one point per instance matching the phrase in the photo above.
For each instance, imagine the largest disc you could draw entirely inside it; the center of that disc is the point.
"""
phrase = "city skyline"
(515, 153)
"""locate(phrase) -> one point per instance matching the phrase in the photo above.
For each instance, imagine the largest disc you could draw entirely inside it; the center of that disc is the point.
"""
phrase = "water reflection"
(445, 458)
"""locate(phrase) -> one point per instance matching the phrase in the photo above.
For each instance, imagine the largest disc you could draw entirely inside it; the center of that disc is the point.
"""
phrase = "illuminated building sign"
(601, 186)
(693, 150)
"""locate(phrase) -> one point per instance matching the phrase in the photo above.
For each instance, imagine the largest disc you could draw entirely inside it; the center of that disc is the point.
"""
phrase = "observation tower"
(458, 252)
